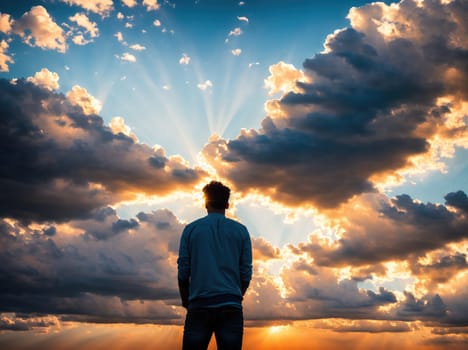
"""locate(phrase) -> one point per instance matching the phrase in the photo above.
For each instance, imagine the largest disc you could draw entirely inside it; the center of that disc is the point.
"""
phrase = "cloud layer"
(386, 97)
(60, 161)
(380, 94)
(101, 268)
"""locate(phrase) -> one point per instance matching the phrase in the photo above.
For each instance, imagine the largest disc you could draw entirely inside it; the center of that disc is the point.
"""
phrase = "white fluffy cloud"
(137, 47)
(151, 5)
(184, 59)
(235, 32)
(46, 79)
(79, 39)
(236, 52)
(283, 78)
(5, 59)
(79, 96)
(5, 23)
(119, 36)
(37, 28)
(204, 86)
(83, 21)
(101, 7)
(129, 3)
(128, 57)
(118, 125)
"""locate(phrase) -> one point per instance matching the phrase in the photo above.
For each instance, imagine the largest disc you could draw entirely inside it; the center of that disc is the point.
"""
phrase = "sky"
(340, 126)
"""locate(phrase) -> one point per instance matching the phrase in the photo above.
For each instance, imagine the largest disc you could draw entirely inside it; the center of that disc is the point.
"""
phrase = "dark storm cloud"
(443, 269)
(316, 293)
(128, 275)
(406, 227)
(427, 308)
(370, 103)
(453, 330)
(58, 163)
(457, 200)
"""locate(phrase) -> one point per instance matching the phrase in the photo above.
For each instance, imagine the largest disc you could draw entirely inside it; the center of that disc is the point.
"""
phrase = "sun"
(276, 329)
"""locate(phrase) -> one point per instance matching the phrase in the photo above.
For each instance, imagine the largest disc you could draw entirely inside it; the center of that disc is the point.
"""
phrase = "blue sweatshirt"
(215, 258)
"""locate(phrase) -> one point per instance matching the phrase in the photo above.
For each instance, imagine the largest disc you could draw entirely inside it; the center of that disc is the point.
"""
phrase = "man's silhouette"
(214, 271)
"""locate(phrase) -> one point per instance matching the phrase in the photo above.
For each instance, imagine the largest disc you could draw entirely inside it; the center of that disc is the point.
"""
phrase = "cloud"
(80, 40)
(235, 32)
(137, 47)
(5, 23)
(283, 78)
(318, 293)
(79, 96)
(371, 104)
(457, 200)
(410, 228)
(129, 3)
(157, 23)
(264, 250)
(243, 18)
(67, 163)
(236, 52)
(428, 308)
(46, 79)
(119, 36)
(106, 269)
(99, 269)
(184, 59)
(83, 21)
(4, 58)
(368, 326)
(37, 28)
(128, 57)
(441, 268)
(13, 322)
(204, 86)
(151, 5)
(117, 125)
(101, 7)
(264, 290)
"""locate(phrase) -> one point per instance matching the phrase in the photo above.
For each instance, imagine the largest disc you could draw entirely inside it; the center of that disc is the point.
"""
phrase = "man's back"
(214, 272)
(215, 252)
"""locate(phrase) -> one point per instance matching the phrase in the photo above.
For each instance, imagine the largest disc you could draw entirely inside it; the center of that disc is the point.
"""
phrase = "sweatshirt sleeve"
(183, 262)
(246, 262)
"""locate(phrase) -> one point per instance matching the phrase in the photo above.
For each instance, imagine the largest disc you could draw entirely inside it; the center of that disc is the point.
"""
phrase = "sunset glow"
(340, 126)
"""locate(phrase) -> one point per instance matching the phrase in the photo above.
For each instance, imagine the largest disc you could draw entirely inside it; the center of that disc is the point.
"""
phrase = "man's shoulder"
(205, 220)
(238, 225)
(234, 222)
(196, 222)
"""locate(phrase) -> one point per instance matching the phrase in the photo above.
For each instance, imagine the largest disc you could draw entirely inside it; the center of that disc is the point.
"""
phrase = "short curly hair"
(216, 195)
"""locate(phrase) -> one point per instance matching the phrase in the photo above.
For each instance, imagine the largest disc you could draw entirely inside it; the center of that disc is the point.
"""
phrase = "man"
(214, 272)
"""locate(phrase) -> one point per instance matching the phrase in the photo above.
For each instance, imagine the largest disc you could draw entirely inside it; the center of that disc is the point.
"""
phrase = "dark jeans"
(227, 323)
